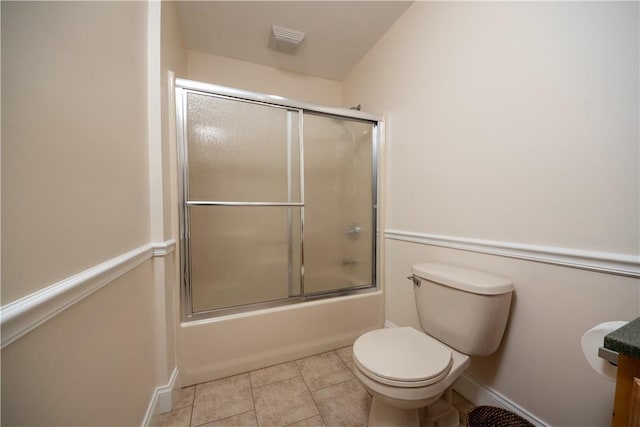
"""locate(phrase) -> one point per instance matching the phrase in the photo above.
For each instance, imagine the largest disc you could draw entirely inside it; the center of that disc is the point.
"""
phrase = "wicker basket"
(492, 416)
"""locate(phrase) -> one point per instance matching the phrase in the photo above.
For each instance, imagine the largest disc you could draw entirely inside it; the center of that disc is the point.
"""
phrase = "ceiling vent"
(285, 40)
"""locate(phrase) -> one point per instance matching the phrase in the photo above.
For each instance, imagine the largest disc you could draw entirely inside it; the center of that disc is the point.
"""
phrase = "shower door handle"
(354, 231)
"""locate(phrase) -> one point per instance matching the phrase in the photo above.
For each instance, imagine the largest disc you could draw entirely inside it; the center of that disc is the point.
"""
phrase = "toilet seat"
(402, 357)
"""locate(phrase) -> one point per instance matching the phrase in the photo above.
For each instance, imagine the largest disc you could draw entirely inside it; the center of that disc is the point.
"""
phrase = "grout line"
(280, 381)
(193, 404)
(338, 383)
(251, 386)
(231, 416)
(253, 401)
(271, 366)
(311, 393)
(253, 398)
(175, 408)
(315, 404)
(193, 407)
(304, 419)
(304, 380)
(250, 382)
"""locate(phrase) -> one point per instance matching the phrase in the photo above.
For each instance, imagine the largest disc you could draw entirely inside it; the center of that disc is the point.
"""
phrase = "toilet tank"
(465, 309)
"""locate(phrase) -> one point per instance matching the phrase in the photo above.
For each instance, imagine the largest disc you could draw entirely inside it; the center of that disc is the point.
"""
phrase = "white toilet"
(463, 313)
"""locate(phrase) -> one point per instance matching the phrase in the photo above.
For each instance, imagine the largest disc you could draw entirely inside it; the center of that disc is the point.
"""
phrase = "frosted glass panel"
(272, 211)
(240, 151)
(240, 255)
(338, 239)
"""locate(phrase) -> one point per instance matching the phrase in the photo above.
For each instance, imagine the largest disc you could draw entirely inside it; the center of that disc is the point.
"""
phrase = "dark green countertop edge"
(625, 340)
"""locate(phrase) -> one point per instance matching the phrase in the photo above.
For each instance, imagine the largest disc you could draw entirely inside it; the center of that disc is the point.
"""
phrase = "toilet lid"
(402, 355)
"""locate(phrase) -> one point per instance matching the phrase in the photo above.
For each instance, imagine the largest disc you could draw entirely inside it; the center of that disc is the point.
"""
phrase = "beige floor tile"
(309, 422)
(345, 353)
(248, 419)
(183, 397)
(344, 404)
(280, 397)
(273, 374)
(351, 366)
(220, 399)
(323, 370)
(283, 403)
(176, 418)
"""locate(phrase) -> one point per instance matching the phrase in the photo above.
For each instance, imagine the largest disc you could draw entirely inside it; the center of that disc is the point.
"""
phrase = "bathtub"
(219, 347)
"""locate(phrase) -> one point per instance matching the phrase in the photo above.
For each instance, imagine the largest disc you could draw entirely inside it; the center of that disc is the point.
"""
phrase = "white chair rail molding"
(23, 315)
(604, 262)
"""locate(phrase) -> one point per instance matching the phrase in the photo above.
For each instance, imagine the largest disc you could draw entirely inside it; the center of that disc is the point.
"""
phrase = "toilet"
(462, 313)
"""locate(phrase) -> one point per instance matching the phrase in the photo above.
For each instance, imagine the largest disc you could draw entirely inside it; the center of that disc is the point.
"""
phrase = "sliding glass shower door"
(243, 202)
(339, 225)
(278, 203)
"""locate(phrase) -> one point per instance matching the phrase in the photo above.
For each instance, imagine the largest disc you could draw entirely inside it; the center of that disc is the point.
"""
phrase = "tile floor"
(319, 390)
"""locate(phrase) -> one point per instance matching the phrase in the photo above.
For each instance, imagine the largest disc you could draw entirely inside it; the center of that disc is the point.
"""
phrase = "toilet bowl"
(462, 313)
(427, 370)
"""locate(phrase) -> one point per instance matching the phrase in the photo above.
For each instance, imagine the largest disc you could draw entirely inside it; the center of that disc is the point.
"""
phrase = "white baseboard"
(479, 394)
(161, 401)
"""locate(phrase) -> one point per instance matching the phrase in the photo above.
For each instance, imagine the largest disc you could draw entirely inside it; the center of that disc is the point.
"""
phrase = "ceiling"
(338, 33)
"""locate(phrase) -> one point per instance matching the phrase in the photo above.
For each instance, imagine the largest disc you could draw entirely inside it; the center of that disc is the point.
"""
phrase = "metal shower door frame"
(182, 88)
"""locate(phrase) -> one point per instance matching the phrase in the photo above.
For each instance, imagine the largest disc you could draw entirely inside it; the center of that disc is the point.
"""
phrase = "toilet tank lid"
(465, 279)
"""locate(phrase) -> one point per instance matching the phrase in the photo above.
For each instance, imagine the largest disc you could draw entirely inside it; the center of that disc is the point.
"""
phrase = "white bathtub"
(223, 346)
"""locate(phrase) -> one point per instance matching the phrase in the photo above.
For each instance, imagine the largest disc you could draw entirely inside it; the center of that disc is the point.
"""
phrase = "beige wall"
(516, 122)
(75, 193)
(530, 122)
(90, 365)
(74, 151)
(173, 58)
(259, 78)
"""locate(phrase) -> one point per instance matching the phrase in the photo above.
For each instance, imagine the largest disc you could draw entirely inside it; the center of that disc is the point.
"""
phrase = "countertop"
(625, 340)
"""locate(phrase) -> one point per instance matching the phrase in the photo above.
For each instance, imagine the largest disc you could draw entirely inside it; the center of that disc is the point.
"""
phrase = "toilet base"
(440, 414)
(384, 415)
